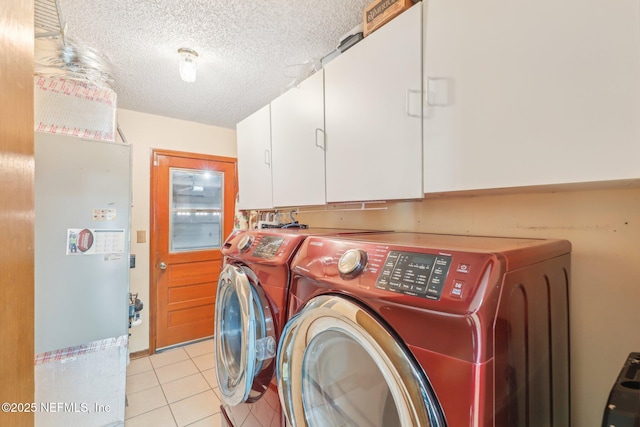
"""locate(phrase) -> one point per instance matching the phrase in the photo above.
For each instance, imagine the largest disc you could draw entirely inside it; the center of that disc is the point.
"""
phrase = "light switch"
(141, 236)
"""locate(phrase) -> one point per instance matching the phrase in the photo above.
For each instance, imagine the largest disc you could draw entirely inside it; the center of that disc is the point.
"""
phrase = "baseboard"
(138, 354)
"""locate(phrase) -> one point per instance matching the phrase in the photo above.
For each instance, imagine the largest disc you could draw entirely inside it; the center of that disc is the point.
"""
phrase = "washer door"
(244, 334)
(338, 365)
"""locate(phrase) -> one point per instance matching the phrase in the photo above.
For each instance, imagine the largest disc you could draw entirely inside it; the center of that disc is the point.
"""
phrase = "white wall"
(146, 132)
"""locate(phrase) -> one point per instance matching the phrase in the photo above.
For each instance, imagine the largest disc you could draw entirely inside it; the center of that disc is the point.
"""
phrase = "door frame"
(154, 224)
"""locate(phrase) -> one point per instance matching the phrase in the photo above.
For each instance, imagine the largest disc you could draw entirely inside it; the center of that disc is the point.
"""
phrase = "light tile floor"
(174, 388)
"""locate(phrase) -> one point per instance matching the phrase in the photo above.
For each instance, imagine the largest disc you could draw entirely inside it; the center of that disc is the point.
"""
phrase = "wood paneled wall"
(16, 209)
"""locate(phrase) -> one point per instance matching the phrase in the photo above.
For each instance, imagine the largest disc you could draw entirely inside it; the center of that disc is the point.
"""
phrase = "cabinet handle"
(408, 103)
(267, 159)
(321, 145)
(439, 91)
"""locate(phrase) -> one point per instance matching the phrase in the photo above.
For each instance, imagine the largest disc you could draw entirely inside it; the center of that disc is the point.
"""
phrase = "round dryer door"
(338, 365)
(244, 335)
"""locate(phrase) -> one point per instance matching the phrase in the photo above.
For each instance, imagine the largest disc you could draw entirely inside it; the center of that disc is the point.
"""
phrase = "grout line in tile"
(217, 411)
(165, 398)
(178, 379)
(154, 369)
(153, 409)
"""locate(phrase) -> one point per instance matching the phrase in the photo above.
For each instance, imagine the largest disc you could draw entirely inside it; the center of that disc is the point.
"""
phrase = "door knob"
(163, 266)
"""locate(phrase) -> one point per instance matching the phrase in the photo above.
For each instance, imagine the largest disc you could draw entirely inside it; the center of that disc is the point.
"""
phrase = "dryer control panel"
(264, 247)
(414, 273)
(268, 247)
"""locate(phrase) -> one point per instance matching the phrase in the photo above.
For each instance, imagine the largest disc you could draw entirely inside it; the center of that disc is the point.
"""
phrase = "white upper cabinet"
(373, 115)
(530, 93)
(254, 160)
(297, 141)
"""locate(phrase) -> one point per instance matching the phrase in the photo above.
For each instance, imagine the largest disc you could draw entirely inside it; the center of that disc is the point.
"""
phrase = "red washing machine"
(410, 330)
(250, 313)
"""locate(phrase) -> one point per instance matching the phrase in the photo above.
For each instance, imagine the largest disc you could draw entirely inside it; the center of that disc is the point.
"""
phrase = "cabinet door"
(297, 141)
(374, 144)
(533, 93)
(254, 160)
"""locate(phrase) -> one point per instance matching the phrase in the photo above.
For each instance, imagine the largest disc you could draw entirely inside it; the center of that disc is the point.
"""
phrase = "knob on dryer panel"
(245, 243)
(352, 263)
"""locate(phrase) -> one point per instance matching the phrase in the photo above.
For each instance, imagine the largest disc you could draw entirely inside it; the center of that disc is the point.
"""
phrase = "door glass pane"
(196, 210)
(353, 392)
(231, 339)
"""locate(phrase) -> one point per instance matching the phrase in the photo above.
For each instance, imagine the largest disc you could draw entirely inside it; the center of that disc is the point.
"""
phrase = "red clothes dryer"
(410, 330)
(250, 313)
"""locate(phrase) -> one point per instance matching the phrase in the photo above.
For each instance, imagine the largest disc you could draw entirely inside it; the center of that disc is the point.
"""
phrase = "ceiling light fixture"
(188, 64)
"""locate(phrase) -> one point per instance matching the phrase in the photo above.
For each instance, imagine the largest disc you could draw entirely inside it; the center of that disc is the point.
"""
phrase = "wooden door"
(17, 333)
(192, 210)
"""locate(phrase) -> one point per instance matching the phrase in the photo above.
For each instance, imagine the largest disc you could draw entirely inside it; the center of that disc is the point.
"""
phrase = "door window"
(245, 336)
(339, 365)
(196, 210)
(352, 392)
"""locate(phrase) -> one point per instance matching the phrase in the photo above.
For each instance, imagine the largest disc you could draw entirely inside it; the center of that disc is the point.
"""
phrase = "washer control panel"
(414, 273)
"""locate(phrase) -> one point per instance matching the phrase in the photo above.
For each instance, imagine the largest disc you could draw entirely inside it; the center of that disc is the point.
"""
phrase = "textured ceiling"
(243, 46)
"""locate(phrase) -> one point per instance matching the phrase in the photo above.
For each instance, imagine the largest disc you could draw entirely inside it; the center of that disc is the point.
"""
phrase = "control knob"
(352, 263)
(245, 243)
